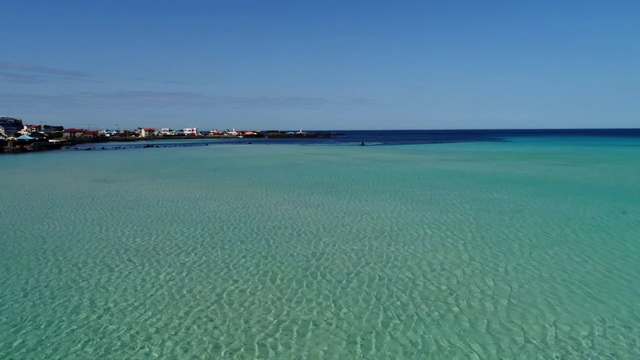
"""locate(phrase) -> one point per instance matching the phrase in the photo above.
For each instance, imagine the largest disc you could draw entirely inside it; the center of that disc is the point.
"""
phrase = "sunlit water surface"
(509, 250)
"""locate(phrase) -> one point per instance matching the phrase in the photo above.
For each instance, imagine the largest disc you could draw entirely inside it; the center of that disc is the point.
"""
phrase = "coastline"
(22, 146)
(353, 137)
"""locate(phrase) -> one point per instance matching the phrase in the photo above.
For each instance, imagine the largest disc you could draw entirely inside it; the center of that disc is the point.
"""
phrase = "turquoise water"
(519, 250)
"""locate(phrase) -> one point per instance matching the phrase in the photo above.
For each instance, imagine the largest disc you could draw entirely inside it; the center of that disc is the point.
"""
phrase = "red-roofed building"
(33, 128)
(148, 132)
(77, 133)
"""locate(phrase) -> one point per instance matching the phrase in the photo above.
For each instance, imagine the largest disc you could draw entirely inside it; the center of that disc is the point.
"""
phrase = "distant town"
(17, 137)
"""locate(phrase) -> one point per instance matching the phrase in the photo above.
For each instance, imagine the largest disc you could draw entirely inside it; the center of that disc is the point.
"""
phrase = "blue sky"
(322, 64)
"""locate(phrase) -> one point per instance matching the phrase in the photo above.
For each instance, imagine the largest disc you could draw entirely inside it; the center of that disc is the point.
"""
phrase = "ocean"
(420, 245)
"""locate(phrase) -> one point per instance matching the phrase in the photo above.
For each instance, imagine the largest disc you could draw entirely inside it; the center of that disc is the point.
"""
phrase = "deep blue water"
(384, 138)
(406, 137)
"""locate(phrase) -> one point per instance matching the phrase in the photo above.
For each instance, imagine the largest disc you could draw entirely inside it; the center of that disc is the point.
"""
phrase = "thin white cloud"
(161, 99)
(37, 69)
(20, 78)
(25, 73)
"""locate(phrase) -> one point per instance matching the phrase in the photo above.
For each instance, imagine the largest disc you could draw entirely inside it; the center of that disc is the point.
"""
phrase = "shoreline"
(22, 146)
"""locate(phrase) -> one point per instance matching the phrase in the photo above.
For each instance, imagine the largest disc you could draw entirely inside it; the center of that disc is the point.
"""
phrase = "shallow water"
(519, 249)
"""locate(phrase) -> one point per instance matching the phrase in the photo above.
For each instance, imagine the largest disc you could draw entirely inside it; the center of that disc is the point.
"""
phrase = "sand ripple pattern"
(490, 251)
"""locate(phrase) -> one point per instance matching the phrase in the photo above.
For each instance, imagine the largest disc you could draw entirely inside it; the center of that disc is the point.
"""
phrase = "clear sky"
(440, 64)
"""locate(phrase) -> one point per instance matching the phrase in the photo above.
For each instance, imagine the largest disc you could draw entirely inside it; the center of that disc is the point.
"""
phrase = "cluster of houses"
(14, 129)
(16, 136)
(144, 132)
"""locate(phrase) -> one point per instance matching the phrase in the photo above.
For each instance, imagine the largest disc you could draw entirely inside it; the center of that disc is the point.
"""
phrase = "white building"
(190, 131)
(147, 132)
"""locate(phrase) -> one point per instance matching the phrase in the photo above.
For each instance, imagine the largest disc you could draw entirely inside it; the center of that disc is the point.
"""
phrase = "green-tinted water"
(527, 249)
